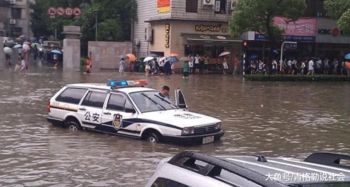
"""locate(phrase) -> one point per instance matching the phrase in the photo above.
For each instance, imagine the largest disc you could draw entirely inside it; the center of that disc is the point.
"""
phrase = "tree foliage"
(114, 18)
(257, 15)
(340, 10)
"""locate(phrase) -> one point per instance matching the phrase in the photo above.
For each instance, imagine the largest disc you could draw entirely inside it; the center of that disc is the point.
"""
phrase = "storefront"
(191, 38)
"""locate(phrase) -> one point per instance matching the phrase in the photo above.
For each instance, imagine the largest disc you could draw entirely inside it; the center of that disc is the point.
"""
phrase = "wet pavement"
(270, 118)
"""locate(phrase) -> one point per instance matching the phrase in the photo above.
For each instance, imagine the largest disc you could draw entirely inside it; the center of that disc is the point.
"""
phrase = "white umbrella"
(225, 53)
(149, 58)
(56, 51)
(7, 50)
(162, 59)
(17, 46)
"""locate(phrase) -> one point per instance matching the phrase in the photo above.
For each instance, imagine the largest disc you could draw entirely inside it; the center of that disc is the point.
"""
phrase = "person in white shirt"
(311, 68)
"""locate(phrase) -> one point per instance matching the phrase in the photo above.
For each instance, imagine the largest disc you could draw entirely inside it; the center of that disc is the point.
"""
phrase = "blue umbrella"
(173, 59)
(56, 51)
(347, 56)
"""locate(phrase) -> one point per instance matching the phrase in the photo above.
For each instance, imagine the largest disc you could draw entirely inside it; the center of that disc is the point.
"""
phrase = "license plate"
(208, 139)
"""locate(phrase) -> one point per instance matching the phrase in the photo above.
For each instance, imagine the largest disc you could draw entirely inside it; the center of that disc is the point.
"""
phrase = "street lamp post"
(282, 47)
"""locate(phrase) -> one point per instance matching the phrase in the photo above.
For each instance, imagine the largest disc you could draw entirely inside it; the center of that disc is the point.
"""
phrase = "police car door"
(117, 112)
(180, 99)
(90, 110)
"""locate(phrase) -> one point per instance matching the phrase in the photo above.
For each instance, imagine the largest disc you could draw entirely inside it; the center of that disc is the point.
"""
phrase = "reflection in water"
(277, 119)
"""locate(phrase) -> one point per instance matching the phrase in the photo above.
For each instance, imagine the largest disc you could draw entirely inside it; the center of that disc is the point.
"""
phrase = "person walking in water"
(121, 65)
(88, 64)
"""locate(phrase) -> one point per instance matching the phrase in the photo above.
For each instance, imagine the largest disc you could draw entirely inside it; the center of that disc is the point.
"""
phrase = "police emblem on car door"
(117, 120)
(117, 112)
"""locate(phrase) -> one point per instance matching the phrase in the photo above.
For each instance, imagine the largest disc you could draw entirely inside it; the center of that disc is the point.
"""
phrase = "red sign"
(69, 11)
(51, 11)
(76, 11)
(300, 27)
(60, 11)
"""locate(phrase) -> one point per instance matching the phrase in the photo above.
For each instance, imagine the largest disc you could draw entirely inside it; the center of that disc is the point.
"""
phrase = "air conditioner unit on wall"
(217, 6)
(233, 4)
(208, 2)
(12, 2)
(12, 21)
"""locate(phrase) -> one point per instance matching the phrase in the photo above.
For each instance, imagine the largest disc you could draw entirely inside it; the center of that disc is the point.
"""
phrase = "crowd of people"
(192, 64)
(306, 66)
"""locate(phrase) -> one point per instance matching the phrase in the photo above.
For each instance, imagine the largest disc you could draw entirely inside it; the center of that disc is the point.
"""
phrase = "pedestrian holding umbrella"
(8, 52)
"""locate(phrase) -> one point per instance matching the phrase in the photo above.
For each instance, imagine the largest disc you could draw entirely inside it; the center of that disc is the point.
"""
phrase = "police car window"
(71, 95)
(116, 102)
(151, 101)
(162, 182)
(94, 99)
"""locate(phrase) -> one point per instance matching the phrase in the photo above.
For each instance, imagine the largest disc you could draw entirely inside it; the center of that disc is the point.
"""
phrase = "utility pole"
(96, 25)
(282, 48)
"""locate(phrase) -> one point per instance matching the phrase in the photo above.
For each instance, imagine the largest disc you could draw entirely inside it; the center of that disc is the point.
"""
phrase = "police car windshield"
(151, 101)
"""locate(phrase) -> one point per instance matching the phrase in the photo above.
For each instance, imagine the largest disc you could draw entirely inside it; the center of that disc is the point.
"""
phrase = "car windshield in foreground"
(325, 184)
(151, 101)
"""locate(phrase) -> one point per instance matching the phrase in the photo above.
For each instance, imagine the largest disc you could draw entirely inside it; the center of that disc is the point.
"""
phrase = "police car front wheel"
(152, 137)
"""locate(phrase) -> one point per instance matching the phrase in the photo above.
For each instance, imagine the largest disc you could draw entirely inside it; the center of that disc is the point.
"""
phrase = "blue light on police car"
(117, 83)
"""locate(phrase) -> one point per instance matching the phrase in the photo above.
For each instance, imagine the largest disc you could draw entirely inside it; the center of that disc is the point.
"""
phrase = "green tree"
(257, 15)
(339, 10)
(114, 18)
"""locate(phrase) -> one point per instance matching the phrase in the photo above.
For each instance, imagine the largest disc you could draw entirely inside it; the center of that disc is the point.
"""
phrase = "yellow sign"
(163, 6)
(167, 35)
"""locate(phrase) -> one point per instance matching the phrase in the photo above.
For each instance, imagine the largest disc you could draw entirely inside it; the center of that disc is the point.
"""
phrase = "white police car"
(127, 108)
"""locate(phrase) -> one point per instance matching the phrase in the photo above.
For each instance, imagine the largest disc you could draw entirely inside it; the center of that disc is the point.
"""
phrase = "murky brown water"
(278, 119)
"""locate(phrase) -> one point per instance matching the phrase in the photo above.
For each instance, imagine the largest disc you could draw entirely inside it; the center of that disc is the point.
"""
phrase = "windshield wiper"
(163, 108)
(165, 100)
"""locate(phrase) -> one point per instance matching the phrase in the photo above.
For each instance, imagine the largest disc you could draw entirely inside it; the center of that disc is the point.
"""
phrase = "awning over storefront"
(209, 39)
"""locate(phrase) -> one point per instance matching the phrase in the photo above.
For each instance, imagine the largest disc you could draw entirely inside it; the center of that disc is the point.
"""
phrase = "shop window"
(16, 13)
(220, 6)
(191, 5)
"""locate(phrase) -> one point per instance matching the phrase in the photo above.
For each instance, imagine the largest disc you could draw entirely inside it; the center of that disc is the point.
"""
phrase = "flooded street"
(270, 118)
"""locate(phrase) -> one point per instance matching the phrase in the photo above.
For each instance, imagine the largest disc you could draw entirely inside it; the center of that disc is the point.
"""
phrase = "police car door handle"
(106, 113)
(82, 109)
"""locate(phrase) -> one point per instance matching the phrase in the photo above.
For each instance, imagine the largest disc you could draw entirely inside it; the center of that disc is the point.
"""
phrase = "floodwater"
(270, 118)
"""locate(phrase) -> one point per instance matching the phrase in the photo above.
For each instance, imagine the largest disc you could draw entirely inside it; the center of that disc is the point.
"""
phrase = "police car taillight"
(125, 83)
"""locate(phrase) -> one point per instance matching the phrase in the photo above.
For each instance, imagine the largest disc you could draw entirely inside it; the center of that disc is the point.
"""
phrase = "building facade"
(15, 18)
(316, 35)
(184, 27)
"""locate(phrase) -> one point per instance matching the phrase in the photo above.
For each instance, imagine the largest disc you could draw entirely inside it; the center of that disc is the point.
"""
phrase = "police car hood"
(180, 118)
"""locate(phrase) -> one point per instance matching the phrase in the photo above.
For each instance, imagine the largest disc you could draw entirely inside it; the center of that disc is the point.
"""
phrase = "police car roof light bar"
(126, 83)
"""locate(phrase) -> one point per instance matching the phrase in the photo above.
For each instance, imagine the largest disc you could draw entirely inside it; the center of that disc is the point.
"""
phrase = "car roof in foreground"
(318, 168)
(292, 171)
(102, 86)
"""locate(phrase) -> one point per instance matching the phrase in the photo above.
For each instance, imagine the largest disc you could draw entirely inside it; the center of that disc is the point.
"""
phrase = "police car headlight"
(188, 130)
(217, 126)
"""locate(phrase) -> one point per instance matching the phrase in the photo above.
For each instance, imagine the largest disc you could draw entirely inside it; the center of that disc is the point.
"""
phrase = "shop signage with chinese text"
(210, 28)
